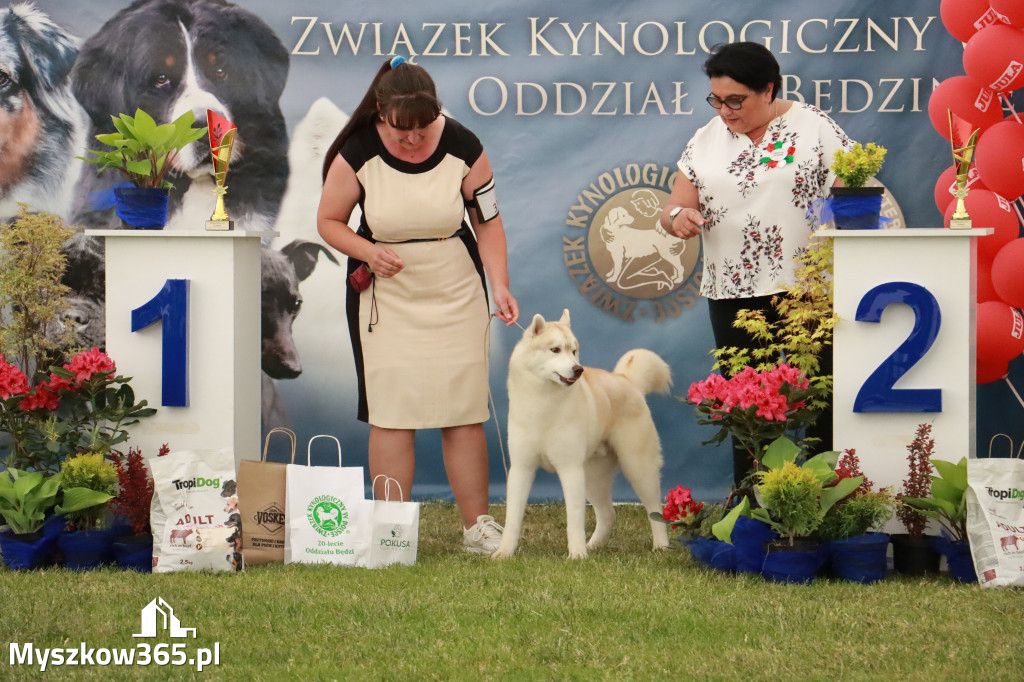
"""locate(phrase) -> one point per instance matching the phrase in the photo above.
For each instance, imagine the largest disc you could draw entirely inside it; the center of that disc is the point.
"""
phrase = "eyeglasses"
(733, 102)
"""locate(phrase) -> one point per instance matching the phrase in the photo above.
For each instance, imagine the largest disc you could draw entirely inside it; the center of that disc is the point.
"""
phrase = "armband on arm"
(485, 200)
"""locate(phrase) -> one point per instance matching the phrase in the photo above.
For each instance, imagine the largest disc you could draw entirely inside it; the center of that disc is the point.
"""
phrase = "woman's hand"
(385, 262)
(687, 223)
(506, 306)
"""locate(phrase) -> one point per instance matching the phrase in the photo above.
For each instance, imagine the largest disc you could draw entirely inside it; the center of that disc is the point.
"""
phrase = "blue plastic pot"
(713, 553)
(134, 552)
(748, 537)
(860, 559)
(85, 549)
(144, 208)
(958, 558)
(24, 552)
(791, 564)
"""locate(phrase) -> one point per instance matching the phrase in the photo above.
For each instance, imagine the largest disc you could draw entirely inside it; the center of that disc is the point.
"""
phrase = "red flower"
(680, 506)
(42, 398)
(12, 380)
(89, 362)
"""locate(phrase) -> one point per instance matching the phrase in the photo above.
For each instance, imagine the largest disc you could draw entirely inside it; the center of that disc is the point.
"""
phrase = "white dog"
(583, 425)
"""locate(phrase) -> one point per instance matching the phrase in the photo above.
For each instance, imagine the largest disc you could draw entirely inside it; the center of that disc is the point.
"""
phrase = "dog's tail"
(645, 370)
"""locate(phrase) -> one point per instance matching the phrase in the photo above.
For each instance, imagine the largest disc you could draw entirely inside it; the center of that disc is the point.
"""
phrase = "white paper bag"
(322, 511)
(995, 518)
(388, 530)
(194, 514)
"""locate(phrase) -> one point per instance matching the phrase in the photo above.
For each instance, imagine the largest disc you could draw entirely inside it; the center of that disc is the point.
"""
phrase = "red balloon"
(978, 106)
(1008, 273)
(994, 58)
(988, 209)
(1009, 11)
(964, 18)
(1000, 158)
(985, 290)
(987, 372)
(946, 184)
(1000, 332)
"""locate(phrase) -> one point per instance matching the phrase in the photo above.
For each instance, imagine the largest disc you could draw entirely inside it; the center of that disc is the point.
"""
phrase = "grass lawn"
(626, 613)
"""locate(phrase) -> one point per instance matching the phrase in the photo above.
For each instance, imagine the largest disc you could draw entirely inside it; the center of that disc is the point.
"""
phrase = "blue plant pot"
(748, 537)
(796, 564)
(143, 208)
(861, 558)
(713, 553)
(32, 550)
(134, 552)
(86, 549)
(958, 558)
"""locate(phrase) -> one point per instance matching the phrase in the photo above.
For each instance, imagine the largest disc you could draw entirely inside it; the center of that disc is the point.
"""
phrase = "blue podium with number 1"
(183, 320)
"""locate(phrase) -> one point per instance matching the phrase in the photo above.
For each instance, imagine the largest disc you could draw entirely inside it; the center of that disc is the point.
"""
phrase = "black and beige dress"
(418, 337)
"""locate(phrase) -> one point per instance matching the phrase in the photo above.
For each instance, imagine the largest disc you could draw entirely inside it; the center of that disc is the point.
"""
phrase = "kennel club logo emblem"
(618, 255)
(327, 515)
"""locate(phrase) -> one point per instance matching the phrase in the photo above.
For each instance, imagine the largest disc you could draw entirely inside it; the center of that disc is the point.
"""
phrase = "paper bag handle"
(387, 487)
(309, 448)
(287, 432)
(1010, 440)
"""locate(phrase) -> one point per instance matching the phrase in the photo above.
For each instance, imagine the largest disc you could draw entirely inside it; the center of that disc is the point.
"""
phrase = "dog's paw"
(579, 554)
(502, 553)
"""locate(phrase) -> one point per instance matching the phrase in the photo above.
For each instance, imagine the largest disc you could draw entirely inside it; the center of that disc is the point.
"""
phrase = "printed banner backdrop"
(582, 107)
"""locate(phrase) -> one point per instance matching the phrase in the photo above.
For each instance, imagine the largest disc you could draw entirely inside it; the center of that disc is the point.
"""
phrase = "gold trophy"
(963, 141)
(222, 139)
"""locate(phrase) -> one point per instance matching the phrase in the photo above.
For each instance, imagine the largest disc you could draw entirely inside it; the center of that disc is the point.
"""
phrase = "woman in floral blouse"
(745, 182)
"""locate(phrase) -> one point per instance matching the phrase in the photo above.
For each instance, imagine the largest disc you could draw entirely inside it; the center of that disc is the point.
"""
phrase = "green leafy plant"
(794, 497)
(859, 164)
(857, 514)
(32, 297)
(26, 497)
(948, 500)
(143, 150)
(89, 471)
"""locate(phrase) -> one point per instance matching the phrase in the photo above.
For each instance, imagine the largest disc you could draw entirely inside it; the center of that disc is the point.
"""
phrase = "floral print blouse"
(755, 199)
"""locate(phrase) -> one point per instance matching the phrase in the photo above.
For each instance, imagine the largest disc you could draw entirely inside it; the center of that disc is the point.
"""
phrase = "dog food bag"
(995, 518)
(194, 514)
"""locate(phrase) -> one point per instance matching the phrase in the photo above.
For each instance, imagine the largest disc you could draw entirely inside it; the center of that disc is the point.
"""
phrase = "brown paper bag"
(261, 503)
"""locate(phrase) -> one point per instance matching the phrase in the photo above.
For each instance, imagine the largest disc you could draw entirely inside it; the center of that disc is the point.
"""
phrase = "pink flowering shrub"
(83, 406)
(755, 407)
(680, 509)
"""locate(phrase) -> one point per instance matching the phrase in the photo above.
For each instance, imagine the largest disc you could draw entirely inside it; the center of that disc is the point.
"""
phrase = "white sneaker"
(484, 537)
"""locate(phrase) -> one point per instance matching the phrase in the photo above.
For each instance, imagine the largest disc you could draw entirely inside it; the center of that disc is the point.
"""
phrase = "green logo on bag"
(327, 515)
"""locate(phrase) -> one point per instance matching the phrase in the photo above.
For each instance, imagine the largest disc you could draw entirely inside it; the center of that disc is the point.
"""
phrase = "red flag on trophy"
(218, 127)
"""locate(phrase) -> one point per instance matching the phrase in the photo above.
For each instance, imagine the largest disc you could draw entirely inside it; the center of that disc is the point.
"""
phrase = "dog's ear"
(303, 256)
(49, 52)
(536, 325)
(565, 316)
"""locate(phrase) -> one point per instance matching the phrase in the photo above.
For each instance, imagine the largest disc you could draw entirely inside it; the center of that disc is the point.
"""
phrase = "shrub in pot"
(133, 544)
(912, 552)
(853, 205)
(90, 482)
(947, 504)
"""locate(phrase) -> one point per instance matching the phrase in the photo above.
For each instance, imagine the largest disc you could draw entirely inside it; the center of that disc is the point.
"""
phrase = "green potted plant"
(855, 552)
(89, 482)
(26, 502)
(947, 503)
(912, 552)
(144, 152)
(854, 205)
